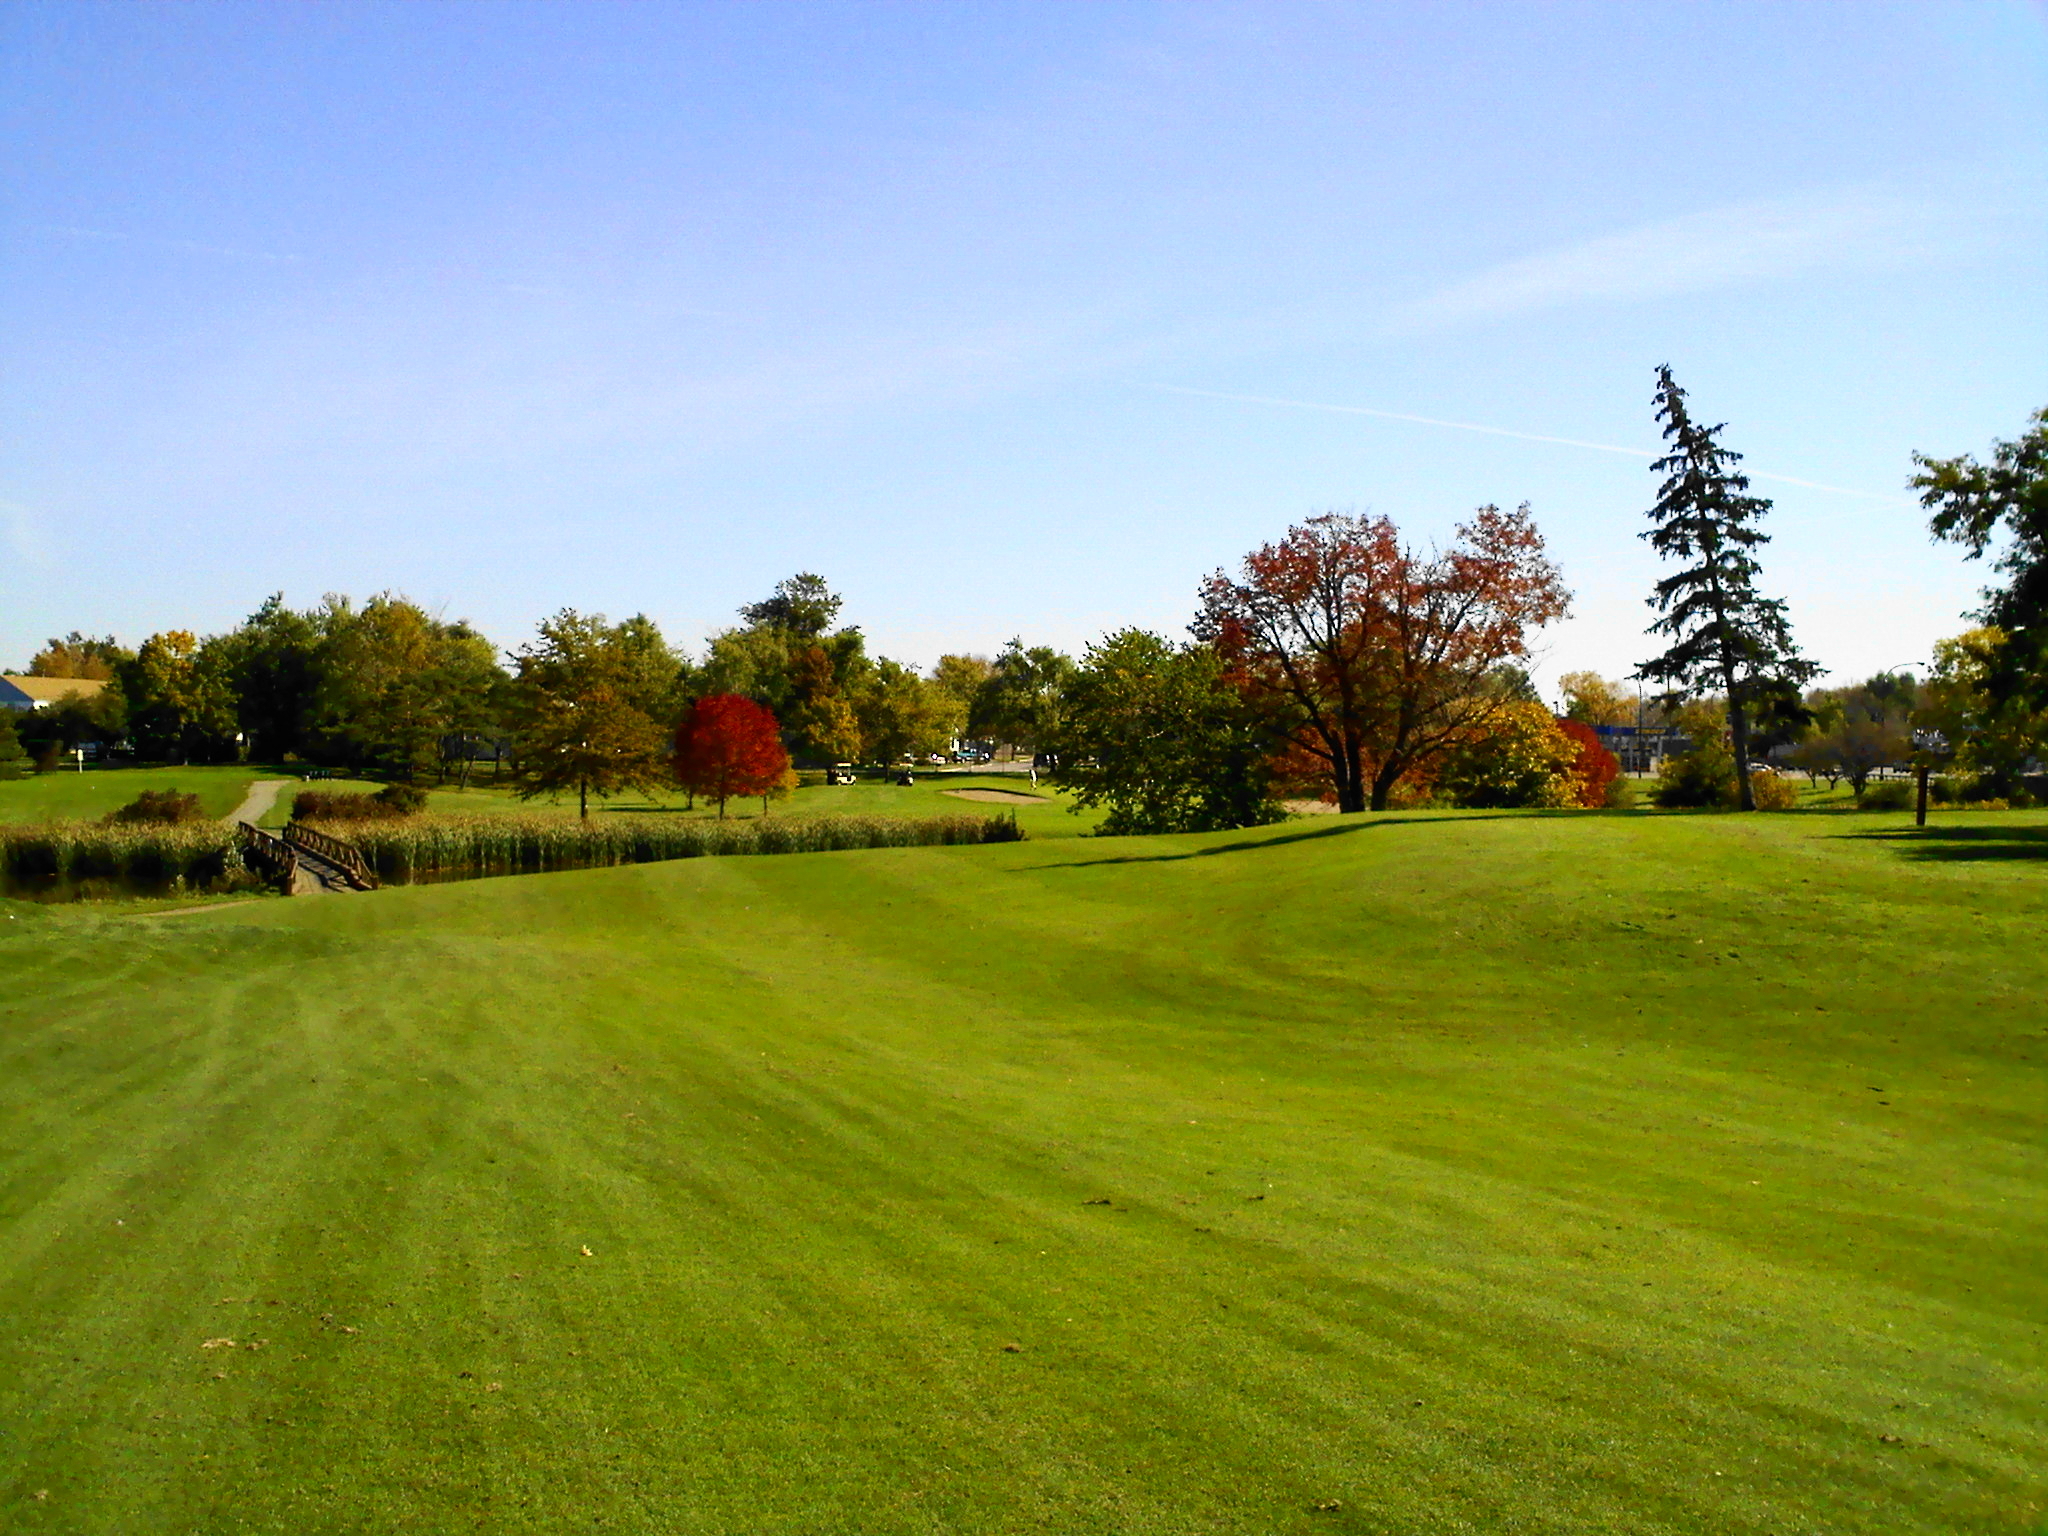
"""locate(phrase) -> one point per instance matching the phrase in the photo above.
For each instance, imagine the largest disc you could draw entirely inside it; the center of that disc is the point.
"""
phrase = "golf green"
(1438, 1172)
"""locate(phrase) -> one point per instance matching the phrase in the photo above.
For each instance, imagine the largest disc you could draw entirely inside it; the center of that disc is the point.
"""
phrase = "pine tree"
(14, 762)
(1722, 631)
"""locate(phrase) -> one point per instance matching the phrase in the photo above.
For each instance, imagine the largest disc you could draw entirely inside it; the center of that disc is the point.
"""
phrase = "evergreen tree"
(1724, 635)
(14, 763)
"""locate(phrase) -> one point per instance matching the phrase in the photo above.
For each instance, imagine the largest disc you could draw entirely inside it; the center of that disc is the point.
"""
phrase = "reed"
(435, 848)
(87, 858)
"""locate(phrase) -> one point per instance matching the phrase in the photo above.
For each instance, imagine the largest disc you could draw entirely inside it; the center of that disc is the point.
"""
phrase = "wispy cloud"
(1747, 242)
(1644, 454)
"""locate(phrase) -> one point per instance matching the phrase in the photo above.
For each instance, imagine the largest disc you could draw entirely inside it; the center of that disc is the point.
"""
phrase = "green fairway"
(1444, 1172)
(87, 796)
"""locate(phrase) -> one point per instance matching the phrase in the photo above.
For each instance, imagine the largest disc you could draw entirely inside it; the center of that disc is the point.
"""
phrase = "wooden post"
(1920, 809)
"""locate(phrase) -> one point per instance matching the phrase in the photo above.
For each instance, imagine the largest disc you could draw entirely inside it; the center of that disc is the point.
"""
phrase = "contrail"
(1527, 437)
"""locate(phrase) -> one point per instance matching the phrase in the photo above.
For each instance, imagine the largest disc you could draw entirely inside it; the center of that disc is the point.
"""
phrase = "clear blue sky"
(982, 311)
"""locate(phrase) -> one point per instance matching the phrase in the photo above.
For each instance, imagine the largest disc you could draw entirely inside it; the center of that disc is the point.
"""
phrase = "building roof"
(47, 690)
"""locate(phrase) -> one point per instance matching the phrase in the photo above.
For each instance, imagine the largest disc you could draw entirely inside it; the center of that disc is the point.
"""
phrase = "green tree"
(50, 732)
(582, 698)
(789, 661)
(180, 700)
(14, 762)
(1020, 703)
(1723, 632)
(1856, 731)
(1990, 731)
(802, 606)
(955, 682)
(274, 666)
(396, 682)
(901, 715)
(1157, 734)
(1972, 505)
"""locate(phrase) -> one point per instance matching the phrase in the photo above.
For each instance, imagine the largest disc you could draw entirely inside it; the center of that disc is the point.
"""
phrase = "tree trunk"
(583, 798)
(1738, 726)
(1349, 767)
(1383, 784)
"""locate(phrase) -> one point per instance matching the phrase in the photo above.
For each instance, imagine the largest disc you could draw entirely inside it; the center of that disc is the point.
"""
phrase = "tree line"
(1339, 662)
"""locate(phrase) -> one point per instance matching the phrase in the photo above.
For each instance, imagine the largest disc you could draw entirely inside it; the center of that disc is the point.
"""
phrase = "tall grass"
(87, 858)
(434, 848)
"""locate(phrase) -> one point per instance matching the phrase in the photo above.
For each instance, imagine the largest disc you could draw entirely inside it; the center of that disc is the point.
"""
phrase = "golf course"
(1406, 1173)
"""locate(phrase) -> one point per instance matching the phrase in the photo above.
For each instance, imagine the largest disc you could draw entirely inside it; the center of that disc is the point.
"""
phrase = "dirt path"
(257, 803)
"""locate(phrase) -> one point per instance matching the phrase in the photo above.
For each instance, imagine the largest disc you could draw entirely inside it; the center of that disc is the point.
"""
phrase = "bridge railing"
(345, 857)
(272, 855)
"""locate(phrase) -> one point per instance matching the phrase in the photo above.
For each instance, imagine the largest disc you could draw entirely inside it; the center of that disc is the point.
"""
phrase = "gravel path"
(257, 803)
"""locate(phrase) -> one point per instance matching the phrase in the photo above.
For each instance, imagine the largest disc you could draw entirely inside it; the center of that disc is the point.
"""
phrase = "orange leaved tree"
(1596, 768)
(729, 747)
(1374, 660)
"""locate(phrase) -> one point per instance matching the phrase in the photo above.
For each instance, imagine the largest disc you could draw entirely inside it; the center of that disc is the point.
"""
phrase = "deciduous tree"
(1019, 704)
(1373, 659)
(1973, 505)
(1991, 731)
(78, 655)
(1723, 632)
(180, 702)
(1594, 769)
(1592, 700)
(582, 699)
(1157, 733)
(728, 748)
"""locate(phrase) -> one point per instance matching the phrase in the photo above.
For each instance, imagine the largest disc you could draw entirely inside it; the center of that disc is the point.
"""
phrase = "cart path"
(257, 803)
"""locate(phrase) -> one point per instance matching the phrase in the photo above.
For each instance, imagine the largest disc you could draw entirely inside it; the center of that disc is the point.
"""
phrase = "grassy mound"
(1402, 1174)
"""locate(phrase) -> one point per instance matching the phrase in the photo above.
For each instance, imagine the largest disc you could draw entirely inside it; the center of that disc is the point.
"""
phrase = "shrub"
(1890, 795)
(164, 806)
(388, 803)
(1525, 759)
(1621, 794)
(1773, 791)
(1697, 779)
(404, 799)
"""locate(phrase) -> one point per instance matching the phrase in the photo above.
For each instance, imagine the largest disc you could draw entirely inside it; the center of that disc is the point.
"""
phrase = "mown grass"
(1512, 1172)
(87, 796)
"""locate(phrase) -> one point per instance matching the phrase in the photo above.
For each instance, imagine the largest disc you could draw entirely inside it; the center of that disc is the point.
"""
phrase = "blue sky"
(1007, 319)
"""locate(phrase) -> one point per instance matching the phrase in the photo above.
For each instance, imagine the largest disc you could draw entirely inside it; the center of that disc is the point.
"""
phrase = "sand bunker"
(996, 796)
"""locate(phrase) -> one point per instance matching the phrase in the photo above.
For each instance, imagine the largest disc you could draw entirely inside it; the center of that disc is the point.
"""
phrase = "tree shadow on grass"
(1962, 843)
(1253, 845)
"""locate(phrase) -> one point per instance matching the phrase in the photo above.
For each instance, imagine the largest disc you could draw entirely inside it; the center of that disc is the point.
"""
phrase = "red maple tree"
(1596, 767)
(729, 747)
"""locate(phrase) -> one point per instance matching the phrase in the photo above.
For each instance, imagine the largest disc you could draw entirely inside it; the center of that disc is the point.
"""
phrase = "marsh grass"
(436, 848)
(65, 859)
